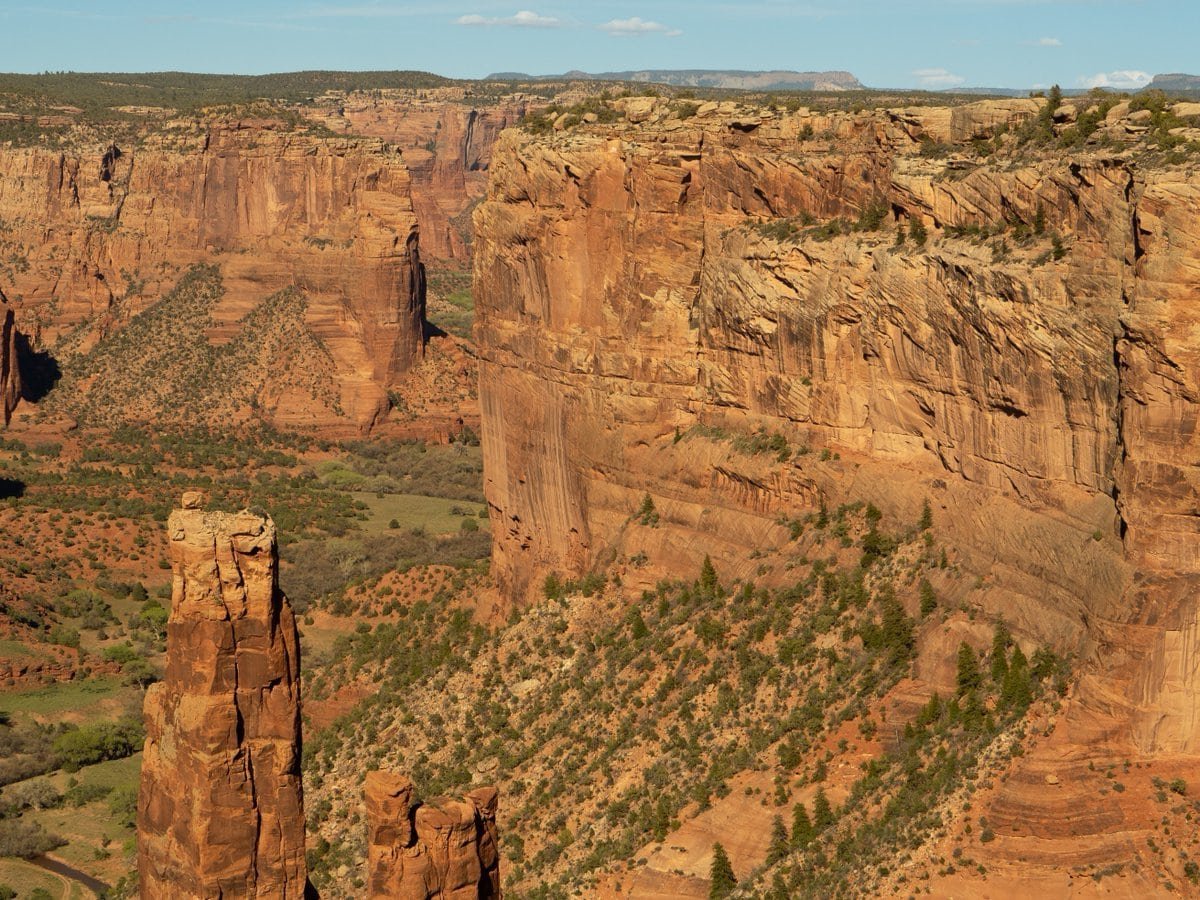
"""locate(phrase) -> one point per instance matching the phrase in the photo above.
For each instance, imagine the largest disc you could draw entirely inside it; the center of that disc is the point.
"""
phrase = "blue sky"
(886, 43)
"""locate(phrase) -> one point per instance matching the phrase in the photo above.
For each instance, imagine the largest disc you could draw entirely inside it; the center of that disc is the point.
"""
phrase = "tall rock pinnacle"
(10, 380)
(221, 811)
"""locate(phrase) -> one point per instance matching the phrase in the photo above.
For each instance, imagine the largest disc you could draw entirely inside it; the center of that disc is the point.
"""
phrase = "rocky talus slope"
(220, 811)
(94, 236)
(719, 319)
(430, 851)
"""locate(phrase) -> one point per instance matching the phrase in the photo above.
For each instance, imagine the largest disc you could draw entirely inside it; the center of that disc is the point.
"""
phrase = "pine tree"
(1017, 691)
(1000, 654)
(822, 811)
(708, 577)
(802, 827)
(779, 842)
(926, 520)
(779, 888)
(637, 625)
(968, 678)
(1039, 220)
(928, 598)
(722, 881)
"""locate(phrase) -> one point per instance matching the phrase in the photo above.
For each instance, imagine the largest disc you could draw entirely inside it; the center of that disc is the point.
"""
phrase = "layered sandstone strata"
(646, 293)
(443, 850)
(220, 811)
(94, 235)
(447, 138)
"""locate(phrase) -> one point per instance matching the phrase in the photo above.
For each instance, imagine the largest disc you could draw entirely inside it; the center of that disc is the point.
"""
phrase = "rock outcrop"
(10, 373)
(442, 850)
(220, 811)
(1018, 355)
(96, 235)
(447, 138)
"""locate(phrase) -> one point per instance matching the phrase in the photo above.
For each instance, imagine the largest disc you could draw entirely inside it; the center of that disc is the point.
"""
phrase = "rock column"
(10, 376)
(220, 811)
(443, 850)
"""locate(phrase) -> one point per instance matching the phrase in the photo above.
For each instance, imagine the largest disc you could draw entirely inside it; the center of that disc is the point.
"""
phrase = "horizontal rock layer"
(93, 236)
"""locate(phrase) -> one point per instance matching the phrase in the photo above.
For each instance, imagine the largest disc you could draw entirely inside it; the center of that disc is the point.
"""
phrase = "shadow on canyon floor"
(40, 371)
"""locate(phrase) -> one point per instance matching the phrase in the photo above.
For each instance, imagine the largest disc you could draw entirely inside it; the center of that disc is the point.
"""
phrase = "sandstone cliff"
(220, 812)
(695, 330)
(445, 850)
(94, 236)
(10, 374)
(447, 138)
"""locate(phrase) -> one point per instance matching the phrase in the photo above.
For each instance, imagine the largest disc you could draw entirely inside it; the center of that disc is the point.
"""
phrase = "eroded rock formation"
(447, 138)
(10, 374)
(100, 233)
(645, 292)
(220, 811)
(443, 850)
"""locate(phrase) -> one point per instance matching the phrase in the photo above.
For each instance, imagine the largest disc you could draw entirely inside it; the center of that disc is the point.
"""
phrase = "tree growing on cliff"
(968, 677)
(802, 827)
(1000, 640)
(779, 845)
(823, 816)
(708, 578)
(928, 598)
(916, 231)
(1017, 690)
(722, 881)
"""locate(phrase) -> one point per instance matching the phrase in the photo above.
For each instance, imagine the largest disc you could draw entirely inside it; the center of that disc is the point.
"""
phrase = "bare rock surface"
(442, 850)
(220, 812)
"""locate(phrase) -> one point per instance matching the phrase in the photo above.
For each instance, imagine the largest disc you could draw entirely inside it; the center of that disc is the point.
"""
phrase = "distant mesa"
(1175, 82)
(735, 79)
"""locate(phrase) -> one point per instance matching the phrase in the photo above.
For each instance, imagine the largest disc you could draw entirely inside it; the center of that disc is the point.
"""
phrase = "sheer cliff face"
(99, 234)
(645, 292)
(447, 144)
(220, 812)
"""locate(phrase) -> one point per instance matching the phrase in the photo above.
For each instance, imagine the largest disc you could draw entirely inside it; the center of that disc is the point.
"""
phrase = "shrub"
(96, 743)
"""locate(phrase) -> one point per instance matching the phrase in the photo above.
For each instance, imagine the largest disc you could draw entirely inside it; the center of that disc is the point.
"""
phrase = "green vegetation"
(722, 881)
(181, 377)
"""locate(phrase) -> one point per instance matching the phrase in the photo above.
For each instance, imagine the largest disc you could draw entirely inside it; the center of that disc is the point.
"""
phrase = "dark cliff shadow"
(10, 488)
(39, 370)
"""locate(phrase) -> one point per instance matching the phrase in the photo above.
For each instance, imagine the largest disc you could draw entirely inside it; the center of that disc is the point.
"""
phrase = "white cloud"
(1121, 80)
(638, 25)
(522, 19)
(1048, 42)
(937, 78)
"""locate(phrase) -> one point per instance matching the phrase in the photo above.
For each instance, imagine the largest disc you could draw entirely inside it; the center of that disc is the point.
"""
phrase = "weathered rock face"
(220, 811)
(447, 142)
(445, 850)
(641, 290)
(100, 234)
(10, 374)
